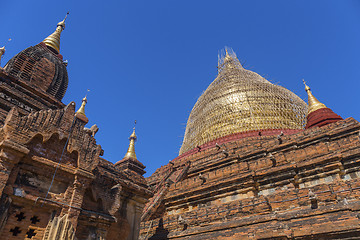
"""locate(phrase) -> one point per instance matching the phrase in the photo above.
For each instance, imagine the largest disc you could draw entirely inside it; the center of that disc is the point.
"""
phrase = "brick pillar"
(138, 211)
(10, 154)
(79, 186)
(134, 211)
(130, 216)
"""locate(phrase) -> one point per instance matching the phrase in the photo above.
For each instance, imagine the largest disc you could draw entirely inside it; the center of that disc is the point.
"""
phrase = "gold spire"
(2, 52)
(53, 40)
(313, 103)
(82, 107)
(227, 55)
(131, 150)
(228, 60)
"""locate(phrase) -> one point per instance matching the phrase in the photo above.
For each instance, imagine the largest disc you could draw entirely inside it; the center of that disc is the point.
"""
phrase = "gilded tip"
(133, 135)
(131, 150)
(53, 41)
(227, 59)
(229, 53)
(80, 113)
(82, 107)
(307, 88)
(313, 103)
(2, 52)
(62, 23)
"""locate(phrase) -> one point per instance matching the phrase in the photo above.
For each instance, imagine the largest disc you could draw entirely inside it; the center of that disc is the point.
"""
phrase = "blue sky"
(151, 60)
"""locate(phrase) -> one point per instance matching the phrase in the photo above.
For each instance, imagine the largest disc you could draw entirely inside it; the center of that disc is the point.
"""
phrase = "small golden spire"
(53, 40)
(2, 52)
(2, 49)
(227, 55)
(228, 60)
(313, 103)
(131, 150)
(82, 107)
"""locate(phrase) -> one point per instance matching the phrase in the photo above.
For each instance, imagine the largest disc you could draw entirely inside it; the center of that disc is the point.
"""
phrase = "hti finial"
(7, 42)
(307, 88)
(66, 16)
(228, 60)
(227, 54)
(81, 112)
(53, 41)
(62, 23)
(131, 150)
(2, 52)
(82, 107)
(313, 103)
(2, 49)
(133, 135)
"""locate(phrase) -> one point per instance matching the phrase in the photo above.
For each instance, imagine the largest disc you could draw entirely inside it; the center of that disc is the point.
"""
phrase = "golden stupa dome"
(239, 100)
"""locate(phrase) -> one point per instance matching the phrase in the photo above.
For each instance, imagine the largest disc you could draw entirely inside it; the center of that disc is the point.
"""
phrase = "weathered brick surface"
(305, 186)
(32, 84)
(35, 218)
(96, 196)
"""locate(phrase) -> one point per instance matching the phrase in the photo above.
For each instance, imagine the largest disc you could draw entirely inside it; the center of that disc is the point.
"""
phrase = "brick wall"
(302, 186)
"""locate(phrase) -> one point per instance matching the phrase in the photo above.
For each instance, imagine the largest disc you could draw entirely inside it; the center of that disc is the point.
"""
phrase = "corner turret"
(130, 161)
(318, 114)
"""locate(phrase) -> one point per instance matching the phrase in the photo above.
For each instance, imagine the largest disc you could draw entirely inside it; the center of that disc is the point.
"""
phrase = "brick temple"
(256, 162)
(54, 184)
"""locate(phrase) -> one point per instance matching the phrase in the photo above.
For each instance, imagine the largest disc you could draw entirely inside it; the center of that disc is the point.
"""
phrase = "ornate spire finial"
(227, 56)
(82, 107)
(84, 102)
(53, 41)
(133, 135)
(80, 114)
(2, 49)
(228, 60)
(313, 103)
(307, 88)
(2, 52)
(131, 150)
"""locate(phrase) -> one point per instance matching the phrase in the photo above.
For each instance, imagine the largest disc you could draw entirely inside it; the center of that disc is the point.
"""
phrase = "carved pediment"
(52, 150)
(48, 124)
